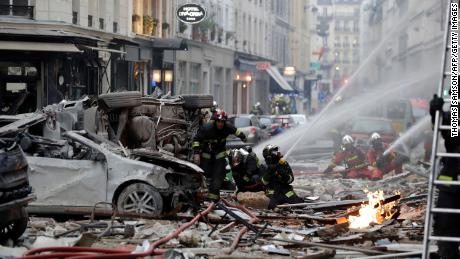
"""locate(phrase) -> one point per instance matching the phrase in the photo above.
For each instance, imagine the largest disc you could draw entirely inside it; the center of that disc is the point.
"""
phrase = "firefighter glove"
(436, 105)
(243, 137)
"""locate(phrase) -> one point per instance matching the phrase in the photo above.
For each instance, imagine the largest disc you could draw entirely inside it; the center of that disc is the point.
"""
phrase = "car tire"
(14, 229)
(197, 101)
(122, 99)
(140, 198)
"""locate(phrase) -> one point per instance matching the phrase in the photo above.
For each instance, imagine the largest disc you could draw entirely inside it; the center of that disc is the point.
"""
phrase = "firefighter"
(354, 159)
(246, 170)
(278, 178)
(256, 110)
(383, 163)
(210, 152)
(449, 196)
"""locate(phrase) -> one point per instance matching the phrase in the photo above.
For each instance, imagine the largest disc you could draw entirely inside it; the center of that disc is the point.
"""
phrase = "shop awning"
(38, 46)
(279, 79)
(170, 44)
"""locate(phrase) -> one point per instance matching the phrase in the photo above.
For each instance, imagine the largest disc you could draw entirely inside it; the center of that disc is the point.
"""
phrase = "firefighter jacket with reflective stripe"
(353, 158)
(278, 177)
(210, 140)
(374, 154)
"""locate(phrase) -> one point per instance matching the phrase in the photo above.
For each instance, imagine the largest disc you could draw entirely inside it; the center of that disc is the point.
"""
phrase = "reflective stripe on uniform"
(246, 178)
(289, 194)
(221, 155)
(265, 182)
(195, 144)
(206, 155)
(238, 132)
(213, 196)
(269, 191)
(445, 178)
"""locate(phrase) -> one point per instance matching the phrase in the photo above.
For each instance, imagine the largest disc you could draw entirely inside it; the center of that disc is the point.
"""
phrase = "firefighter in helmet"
(278, 178)
(246, 170)
(210, 152)
(354, 160)
(383, 162)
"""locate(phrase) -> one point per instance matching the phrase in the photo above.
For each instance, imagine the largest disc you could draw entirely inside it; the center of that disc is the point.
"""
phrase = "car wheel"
(122, 99)
(140, 198)
(197, 101)
(14, 229)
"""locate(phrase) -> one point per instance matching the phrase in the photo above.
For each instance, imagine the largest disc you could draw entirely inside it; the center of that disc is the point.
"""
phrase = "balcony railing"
(17, 10)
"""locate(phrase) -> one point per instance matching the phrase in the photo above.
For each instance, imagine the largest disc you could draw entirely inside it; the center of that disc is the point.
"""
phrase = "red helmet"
(220, 115)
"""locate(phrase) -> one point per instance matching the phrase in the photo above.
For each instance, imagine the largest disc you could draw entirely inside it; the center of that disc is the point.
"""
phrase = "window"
(16, 8)
(115, 27)
(346, 43)
(75, 17)
(101, 23)
(90, 21)
(346, 25)
(337, 25)
(337, 42)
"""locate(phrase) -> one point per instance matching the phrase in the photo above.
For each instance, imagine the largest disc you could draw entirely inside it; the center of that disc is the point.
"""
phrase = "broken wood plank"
(342, 247)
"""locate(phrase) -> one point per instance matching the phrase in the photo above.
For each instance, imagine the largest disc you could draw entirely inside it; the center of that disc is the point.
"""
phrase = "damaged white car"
(74, 169)
(79, 172)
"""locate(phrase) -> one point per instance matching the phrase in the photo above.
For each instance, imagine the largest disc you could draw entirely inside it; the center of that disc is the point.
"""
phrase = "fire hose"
(89, 252)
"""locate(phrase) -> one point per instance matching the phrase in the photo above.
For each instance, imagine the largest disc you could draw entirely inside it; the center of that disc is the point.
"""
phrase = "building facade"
(417, 27)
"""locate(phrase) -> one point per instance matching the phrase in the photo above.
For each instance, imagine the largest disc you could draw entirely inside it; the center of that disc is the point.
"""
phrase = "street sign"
(262, 65)
(315, 65)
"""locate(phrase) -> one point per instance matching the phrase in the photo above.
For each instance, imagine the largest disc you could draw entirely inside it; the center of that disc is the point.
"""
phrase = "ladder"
(435, 155)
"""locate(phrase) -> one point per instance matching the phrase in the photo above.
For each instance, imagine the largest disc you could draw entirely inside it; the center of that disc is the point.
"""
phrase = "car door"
(255, 123)
(69, 182)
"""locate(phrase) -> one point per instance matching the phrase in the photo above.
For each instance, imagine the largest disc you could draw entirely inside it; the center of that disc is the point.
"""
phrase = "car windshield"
(299, 119)
(370, 126)
(265, 121)
(240, 122)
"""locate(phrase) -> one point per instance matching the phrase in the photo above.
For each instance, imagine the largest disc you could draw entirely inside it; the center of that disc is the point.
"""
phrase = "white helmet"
(347, 139)
(375, 136)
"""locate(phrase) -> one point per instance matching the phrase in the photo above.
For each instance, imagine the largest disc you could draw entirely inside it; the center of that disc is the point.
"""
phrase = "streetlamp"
(168, 77)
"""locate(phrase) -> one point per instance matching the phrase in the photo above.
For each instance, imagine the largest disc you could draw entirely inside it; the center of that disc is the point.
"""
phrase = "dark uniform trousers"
(447, 224)
(277, 179)
(214, 167)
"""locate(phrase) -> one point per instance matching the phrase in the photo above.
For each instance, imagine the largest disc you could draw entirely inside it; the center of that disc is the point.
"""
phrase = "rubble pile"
(318, 227)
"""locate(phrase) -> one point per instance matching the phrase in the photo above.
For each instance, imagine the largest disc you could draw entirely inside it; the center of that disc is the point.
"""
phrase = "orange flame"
(373, 212)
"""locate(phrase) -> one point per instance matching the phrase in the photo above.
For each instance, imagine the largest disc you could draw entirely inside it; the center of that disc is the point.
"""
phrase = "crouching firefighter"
(383, 163)
(246, 170)
(278, 178)
(210, 152)
(354, 159)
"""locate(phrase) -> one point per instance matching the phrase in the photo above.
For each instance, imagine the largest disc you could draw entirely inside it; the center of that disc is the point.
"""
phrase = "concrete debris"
(256, 200)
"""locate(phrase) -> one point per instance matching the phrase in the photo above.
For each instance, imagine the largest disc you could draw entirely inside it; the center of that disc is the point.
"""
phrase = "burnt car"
(15, 191)
(250, 126)
(362, 128)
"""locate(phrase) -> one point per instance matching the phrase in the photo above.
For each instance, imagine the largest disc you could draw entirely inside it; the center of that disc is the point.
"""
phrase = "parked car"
(299, 119)
(362, 128)
(250, 126)
(286, 121)
(271, 127)
(15, 191)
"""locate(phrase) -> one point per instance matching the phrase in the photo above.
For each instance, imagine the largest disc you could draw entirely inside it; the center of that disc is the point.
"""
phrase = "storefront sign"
(191, 13)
